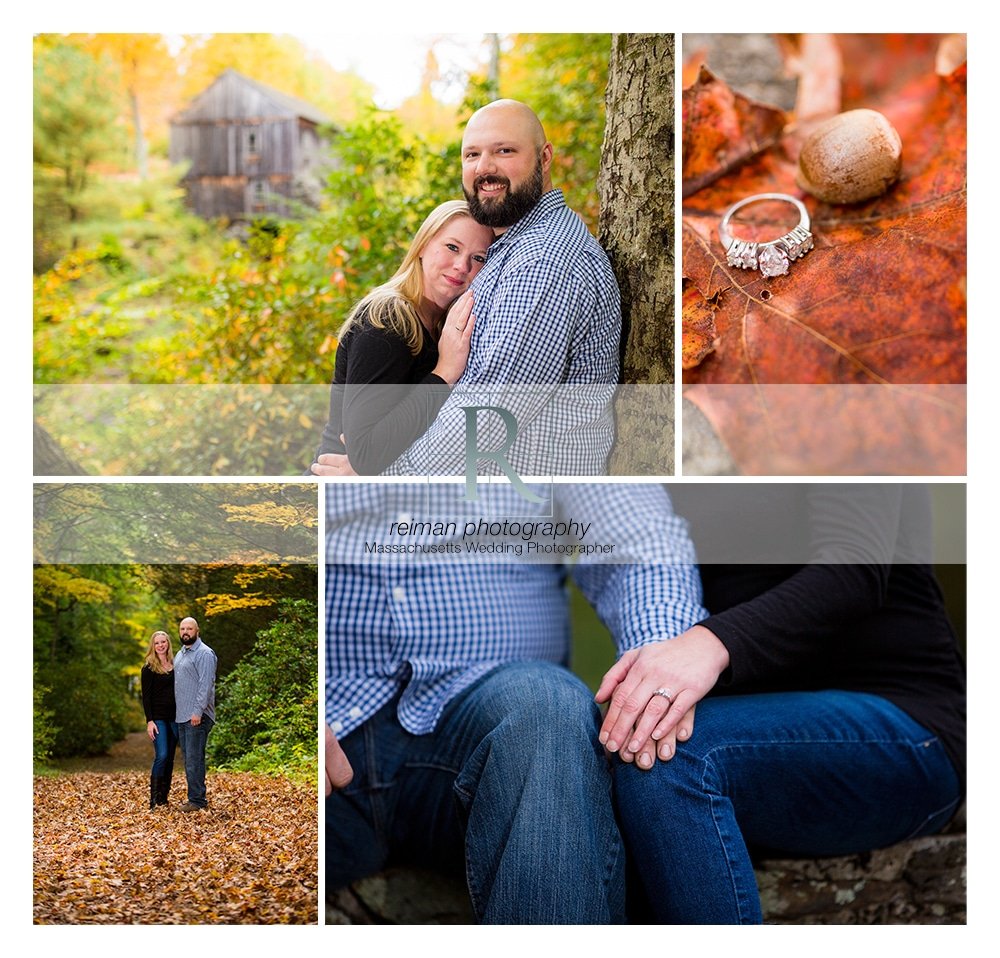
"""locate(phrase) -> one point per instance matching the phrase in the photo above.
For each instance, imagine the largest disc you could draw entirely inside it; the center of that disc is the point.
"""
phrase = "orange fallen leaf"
(880, 302)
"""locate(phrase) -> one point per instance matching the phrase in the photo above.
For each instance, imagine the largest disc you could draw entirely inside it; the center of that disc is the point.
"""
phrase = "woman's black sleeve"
(383, 412)
(853, 532)
(146, 682)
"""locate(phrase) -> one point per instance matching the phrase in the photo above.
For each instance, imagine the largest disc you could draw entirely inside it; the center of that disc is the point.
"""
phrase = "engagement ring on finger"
(667, 694)
(772, 257)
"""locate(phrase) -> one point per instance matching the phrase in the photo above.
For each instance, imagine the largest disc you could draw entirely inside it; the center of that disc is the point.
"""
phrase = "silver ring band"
(667, 694)
(772, 257)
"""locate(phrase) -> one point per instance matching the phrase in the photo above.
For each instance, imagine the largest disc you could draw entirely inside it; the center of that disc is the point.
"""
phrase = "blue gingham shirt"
(194, 681)
(430, 628)
(548, 322)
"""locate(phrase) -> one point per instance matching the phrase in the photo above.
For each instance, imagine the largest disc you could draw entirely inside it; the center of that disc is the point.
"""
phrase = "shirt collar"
(549, 203)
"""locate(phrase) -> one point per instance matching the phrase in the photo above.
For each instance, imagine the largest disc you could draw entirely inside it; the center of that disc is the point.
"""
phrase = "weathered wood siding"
(231, 148)
(246, 149)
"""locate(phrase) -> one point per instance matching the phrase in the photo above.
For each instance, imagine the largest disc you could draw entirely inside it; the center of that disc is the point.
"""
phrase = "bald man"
(194, 690)
(548, 319)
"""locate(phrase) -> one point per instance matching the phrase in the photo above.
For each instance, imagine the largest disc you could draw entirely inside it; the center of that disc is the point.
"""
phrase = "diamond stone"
(743, 255)
(773, 262)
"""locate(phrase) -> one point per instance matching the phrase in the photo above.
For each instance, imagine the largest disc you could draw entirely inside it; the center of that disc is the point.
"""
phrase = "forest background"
(116, 562)
(130, 287)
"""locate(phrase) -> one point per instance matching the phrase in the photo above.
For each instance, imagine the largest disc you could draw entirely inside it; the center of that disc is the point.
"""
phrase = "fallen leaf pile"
(102, 857)
(881, 300)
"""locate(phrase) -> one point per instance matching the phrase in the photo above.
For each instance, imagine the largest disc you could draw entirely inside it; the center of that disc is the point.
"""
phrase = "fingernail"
(612, 746)
(634, 747)
(603, 738)
(683, 733)
(645, 761)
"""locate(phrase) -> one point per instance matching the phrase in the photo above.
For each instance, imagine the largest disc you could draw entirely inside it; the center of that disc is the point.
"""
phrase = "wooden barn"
(250, 149)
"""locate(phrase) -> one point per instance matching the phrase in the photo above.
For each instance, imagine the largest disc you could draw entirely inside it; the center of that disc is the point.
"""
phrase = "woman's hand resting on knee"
(653, 691)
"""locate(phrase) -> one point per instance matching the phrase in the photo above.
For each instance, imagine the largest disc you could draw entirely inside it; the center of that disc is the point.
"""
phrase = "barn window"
(252, 141)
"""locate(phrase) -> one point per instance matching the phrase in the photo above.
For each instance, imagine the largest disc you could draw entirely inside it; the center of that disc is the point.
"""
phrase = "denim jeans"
(512, 789)
(164, 746)
(193, 739)
(790, 774)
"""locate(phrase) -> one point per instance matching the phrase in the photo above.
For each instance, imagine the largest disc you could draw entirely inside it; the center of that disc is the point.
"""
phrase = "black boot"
(164, 790)
(155, 784)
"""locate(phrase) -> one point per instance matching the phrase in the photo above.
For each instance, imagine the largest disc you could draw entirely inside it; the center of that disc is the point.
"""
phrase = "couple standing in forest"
(178, 697)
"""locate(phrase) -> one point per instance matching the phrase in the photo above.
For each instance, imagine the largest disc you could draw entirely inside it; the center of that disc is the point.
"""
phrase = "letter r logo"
(473, 453)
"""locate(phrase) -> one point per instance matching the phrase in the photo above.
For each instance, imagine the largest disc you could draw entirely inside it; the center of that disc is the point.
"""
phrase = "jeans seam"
(738, 899)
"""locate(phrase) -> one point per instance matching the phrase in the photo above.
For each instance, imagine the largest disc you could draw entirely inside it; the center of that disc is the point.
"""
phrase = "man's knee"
(542, 706)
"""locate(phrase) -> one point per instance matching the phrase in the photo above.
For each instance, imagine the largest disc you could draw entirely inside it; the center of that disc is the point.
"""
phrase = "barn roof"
(203, 108)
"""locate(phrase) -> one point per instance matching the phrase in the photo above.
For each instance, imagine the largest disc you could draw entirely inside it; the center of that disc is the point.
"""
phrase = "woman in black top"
(157, 679)
(397, 357)
(834, 720)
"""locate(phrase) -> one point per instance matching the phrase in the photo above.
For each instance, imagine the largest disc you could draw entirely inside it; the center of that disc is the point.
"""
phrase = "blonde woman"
(398, 356)
(157, 680)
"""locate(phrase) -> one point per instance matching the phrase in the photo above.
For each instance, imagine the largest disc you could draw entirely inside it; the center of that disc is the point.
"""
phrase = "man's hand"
(152, 731)
(663, 749)
(196, 720)
(338, 770)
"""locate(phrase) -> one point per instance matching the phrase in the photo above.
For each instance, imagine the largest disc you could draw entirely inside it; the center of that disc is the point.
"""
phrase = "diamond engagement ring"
(772, 257)
(667, 694)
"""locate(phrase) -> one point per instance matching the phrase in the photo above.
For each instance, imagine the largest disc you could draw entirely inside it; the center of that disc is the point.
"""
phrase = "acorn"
(851, 157)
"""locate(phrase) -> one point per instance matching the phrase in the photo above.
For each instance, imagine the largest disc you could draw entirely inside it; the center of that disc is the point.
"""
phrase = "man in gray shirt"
(194, 690)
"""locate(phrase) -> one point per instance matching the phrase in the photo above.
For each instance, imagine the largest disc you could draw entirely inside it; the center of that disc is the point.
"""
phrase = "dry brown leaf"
(880, 301)
(102, 857)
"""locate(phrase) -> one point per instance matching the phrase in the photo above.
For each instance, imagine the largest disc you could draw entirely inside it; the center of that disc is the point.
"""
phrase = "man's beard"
(513, 206)
(188, 639)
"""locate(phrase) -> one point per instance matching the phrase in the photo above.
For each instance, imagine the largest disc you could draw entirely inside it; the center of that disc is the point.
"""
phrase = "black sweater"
(833, 590)
(158, 695)
(382, 398)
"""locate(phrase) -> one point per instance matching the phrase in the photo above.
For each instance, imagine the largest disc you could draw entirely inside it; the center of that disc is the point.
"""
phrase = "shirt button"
(399, 593)
(336, 727)
(355, 712)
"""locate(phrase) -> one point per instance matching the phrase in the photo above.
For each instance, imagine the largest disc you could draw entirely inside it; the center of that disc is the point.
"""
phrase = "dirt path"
(132, 753)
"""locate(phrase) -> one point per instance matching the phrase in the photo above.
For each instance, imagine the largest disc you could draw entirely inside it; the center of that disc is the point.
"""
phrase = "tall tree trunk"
(493, 73)
(636, 187)
(141, 152)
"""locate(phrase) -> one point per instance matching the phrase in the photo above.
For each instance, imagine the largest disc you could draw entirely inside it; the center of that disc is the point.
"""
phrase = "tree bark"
(636, 188)
(49, 457)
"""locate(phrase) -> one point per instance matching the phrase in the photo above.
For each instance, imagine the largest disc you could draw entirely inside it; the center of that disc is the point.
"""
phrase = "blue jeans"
(193, 739)
(790, 774)
(164, 746)
(512, 788)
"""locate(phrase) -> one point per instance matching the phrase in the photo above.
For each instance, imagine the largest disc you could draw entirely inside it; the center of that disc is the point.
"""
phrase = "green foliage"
(267, 705)
(562, 77)
(75, 113)
(91, 623)
(43, 731)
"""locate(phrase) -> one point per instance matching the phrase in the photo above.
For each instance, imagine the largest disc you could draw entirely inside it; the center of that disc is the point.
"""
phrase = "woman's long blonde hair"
(152, 659)
(394, 305)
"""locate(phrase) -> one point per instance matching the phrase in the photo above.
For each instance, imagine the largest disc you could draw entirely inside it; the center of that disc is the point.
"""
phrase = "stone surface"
(702, 451)
(917, 882)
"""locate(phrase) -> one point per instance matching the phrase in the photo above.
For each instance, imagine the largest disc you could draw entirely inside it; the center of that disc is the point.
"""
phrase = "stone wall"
(917, 882)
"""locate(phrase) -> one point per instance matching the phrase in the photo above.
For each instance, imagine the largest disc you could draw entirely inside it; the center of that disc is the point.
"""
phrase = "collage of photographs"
(513, 479)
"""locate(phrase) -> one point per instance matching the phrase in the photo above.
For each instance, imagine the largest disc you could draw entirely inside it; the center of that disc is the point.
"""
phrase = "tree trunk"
(141, 153)
(49, 457)
(636, 187)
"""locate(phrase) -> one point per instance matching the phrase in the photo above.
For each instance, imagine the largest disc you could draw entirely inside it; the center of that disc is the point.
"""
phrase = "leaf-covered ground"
(101, 857)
